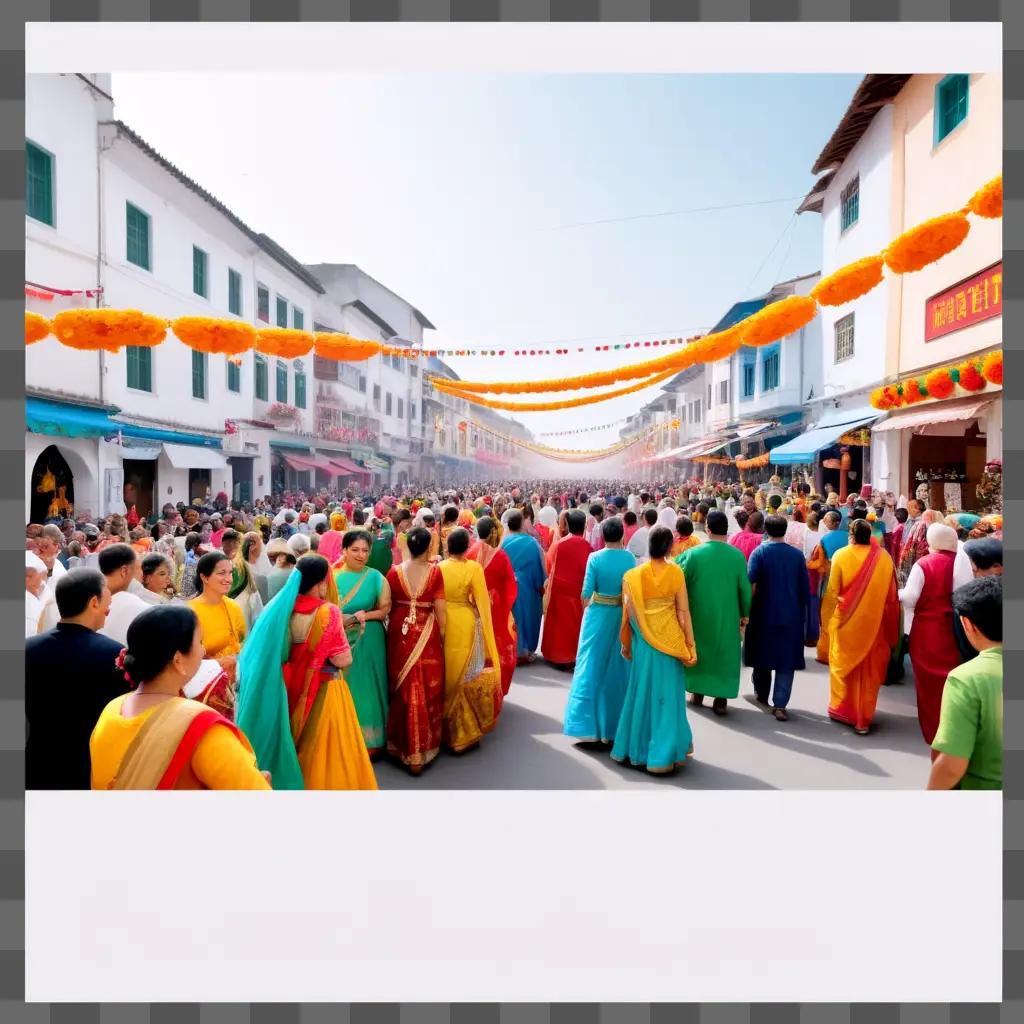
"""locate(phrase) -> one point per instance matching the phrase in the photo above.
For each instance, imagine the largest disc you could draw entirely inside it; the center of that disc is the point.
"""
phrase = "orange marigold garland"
(850, 282)
(912, 392)
(940, 383)
(283, 342)
(988, 200)
(992, 367)
(343, 347)
(566, 403)
(927, 242)
(36, 328)
(971, 378)
(108, 329)
(217, 337)
(778, 320)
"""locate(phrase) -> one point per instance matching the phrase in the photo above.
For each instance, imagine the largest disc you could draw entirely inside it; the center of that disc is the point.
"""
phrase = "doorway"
(199, 484)
(139, 485)
(53, 487)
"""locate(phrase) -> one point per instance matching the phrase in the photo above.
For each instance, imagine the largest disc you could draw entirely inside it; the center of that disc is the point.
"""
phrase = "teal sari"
(368, 676)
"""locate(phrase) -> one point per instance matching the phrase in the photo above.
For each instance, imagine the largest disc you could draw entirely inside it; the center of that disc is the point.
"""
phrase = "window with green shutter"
(234, 377)
(300, 391)
(140, 368)
(950, 104)
(262, 385)
(298, 319)
(200, 266)
(234, 292)
(282, 312)
(38, 184)
(137, 241)
(849, 204)
(282, 382)
(263, 303)
(198, 374)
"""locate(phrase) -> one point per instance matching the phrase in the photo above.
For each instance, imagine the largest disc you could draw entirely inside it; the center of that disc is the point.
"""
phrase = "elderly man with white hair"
(35, 586)
(928, 620)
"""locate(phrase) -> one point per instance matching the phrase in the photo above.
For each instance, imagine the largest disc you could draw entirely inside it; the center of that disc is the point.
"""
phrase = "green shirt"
(971, 723)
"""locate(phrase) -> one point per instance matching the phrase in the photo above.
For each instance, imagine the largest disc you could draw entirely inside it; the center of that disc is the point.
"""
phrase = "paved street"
(747, 749)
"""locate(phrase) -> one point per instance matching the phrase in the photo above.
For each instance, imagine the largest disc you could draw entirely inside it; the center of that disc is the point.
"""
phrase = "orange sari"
(502, 590)
(862, 630)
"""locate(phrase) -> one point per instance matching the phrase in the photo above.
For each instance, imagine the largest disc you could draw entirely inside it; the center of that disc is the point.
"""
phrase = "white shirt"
(963, 572)
(124, 607)
(314, 519)
(33, 613)
(51, 616)
(637, 545)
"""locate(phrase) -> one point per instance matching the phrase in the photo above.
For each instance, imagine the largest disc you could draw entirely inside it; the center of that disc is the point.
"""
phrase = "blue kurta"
(775, 634)
(599, 680)
(528, 564)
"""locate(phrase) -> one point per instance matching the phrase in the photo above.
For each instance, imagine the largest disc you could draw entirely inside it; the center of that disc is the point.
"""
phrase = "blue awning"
(62, 419)
(66, 419)
(291, 446)
(804, 448)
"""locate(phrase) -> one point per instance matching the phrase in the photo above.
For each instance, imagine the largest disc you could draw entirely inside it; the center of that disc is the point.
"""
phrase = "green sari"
(367, 677)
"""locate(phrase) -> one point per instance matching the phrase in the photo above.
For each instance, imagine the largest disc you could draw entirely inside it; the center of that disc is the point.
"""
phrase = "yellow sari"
(472, 690)
(649, 600)
(862, 631)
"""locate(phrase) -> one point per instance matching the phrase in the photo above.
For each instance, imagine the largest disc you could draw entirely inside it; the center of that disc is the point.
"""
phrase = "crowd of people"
(290, 642)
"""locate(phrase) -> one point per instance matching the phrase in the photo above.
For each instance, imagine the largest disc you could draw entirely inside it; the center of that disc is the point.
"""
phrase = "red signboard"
(969, 302)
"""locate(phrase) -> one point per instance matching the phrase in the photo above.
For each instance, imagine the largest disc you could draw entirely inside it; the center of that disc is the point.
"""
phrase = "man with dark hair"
(986, 555)
(70, 677)
(563, 608)
(637, 546)
(49, 545)
(121, 565)
(968, 747)
(527, 560)
(719, 597)
(774, 640)
(596, 537)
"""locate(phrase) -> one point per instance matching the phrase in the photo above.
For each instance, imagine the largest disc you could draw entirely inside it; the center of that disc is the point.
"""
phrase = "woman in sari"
(157, 579)
(547, 523)
(365, 599)
(220, 618)
(657, 641)
(830, 540)
(809, 543)
(599, 679)
(293, 703)
(330, 542)
(255, 557)
(502, 590)
(863, 628)
(244, 590)
(152, 737)
(472, 691)
(381, 557)
(416, 629)
(561, 532)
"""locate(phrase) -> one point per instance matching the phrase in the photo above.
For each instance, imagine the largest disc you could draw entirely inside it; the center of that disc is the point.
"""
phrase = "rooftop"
(326, 267)
(264, 242)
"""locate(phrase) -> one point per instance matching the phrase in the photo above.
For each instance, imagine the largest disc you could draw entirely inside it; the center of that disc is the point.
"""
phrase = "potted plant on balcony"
(279, 411)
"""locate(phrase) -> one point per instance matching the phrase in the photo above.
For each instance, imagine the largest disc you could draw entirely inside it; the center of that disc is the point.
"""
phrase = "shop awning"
(301, 463)
(290, 446)
(347, 466)
(962, 411)
(184, 456)
(63, 419)
(804, 448)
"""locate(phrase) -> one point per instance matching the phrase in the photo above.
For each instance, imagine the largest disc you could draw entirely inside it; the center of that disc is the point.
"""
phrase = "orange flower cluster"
(755, 463)
(972, 375)
(992, 368)
(849, 282)
(565, 403)
(283, 342)
(343, 347)
(569, 454)
(927, 242)
(108, 329)
(217, 337)
(988, 200)
(36, 328)
(778, 320)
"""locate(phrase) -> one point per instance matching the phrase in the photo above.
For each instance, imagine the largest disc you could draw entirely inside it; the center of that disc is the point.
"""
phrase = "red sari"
(307, 668)
(502, 590)
(415, 669)
(563, 613)
(933, 647)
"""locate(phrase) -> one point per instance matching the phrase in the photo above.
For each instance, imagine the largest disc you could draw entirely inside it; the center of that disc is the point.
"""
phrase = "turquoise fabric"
(262, 709)
(653, 731)
(599, 679)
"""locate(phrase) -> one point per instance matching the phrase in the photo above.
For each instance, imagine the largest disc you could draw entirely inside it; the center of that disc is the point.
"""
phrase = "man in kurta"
(564, 612)
(719, 595)
(774, 639)
(528, 564)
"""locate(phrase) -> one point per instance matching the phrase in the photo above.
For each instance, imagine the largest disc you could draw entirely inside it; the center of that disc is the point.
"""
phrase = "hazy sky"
(456, 192)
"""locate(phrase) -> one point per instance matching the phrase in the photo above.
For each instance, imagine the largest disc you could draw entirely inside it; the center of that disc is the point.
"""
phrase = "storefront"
(937, 451)
(835, 451)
